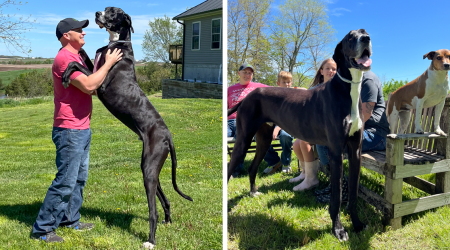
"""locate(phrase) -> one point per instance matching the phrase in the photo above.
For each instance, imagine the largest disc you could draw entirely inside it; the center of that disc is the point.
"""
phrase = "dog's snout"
(365, 39)
(446, 65)
(98, 13)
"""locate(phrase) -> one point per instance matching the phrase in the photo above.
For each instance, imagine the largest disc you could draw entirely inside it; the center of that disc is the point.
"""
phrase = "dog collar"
(119, 41)
(346, 80)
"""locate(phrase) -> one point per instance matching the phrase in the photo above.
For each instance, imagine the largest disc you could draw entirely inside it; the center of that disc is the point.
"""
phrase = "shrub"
(151, 75)
(391, 86)
(31, 84)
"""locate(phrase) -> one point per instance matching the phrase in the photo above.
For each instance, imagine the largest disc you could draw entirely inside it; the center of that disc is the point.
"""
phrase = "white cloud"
(339, 11)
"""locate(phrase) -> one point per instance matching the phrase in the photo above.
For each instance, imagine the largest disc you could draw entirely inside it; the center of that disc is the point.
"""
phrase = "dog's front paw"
(66, 83)
(440, 132)
(148, 245)
(340, 234)
(255, 194)
(419, 131)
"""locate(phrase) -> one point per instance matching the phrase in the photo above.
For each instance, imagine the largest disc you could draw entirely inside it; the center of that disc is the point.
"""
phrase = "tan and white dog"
(427, 90)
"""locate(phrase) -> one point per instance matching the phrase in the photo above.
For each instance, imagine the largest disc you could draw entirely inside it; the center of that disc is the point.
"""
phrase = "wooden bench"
(252, 149)
(406, 156)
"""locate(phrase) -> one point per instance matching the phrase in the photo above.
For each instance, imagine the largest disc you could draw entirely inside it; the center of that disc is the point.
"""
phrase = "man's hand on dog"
(113, 57)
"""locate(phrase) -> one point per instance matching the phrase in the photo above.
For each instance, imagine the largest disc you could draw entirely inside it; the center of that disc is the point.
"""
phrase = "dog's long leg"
(335, 153)
(263, 141)
(405, 118)
(354, 159)
(418, 117)
(437, 117)
(154, 152)
(164, 203)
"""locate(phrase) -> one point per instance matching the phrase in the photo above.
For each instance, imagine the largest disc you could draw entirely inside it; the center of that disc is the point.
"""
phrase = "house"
(201, 52)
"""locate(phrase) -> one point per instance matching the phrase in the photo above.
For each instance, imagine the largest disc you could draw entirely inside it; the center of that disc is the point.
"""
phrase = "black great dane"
(122, 96)
(327, 115)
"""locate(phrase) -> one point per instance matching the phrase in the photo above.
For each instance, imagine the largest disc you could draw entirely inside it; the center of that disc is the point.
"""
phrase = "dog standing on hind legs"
(334, 111)
(427, 90)
(122, 96)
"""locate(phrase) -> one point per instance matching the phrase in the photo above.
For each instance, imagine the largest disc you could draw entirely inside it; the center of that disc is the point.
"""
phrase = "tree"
(162, 33)
(299, 34)
(247, 39)
(13, 28)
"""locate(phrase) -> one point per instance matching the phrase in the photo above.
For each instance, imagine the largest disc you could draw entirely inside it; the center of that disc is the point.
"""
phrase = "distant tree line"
(27, 62)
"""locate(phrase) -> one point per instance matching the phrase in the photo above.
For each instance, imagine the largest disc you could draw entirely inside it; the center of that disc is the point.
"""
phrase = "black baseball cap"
(246, 65)
(68, 24)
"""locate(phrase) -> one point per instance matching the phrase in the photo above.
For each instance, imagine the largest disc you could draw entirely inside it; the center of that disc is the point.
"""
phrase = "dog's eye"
(439, 58)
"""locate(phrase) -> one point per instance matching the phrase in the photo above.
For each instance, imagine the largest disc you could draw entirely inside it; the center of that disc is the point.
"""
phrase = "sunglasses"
(79, 30)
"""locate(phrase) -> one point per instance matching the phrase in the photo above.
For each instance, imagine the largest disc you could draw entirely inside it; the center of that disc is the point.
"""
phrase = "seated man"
(235, 94)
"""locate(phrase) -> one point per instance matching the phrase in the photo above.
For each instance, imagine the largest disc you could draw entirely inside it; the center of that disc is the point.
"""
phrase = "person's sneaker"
(84, 226)
(286, 169)
(48, 237)
(272, 169)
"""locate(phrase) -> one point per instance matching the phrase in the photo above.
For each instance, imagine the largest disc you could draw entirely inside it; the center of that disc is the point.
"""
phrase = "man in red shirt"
(71, 134)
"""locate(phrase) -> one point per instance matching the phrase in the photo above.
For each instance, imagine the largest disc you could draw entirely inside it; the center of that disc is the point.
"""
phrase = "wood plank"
(421, 204)
(423, 123)
(421, 184)
(413, 126)
(409, 170)
(375, 200)
(415, 136)
(394, 152)
(393, 195)
(443, 182)
(428, 126)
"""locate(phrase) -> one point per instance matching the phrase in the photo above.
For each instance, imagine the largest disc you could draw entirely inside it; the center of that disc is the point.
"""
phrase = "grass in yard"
(8, 76)
(283, 219)
(114, 197)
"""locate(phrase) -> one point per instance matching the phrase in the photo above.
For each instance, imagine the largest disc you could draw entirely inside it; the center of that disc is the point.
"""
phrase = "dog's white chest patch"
(356, 122)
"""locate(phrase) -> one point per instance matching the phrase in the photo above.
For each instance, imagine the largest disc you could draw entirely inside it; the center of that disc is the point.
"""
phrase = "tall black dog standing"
(327, 115)
(122, 96)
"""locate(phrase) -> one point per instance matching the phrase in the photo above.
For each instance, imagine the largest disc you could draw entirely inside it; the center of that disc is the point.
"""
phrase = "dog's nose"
(365, 39)
(446, 66)
(97, 14)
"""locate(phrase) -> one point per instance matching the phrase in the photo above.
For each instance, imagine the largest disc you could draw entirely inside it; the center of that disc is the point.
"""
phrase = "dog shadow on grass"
(27, 213)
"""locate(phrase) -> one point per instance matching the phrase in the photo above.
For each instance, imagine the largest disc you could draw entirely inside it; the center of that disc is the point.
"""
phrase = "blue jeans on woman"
(370, 142)
(286, 141)
(65, 195)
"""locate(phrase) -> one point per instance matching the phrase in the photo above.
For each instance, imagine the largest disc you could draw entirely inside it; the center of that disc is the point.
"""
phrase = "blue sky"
(48, 13)
(401, 32)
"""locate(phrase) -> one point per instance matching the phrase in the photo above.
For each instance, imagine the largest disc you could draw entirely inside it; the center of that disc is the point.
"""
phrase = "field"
(283, 219)
(115, 198)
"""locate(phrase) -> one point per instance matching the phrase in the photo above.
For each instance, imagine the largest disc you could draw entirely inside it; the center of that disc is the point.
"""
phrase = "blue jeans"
(65, 195)
(370, 142)
(286, 141)
(231, 132)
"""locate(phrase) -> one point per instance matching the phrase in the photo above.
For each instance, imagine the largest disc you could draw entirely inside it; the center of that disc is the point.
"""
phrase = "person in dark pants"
(71, 134)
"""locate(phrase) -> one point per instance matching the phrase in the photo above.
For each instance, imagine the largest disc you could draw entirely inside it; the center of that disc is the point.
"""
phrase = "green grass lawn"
(8, 76)
(114, 197)
(283, 219)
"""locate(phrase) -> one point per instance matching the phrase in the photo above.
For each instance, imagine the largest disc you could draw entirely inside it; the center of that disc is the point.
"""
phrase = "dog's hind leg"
(405, 117)
(263, 141)
(243, 141)
(335, 154)
(354, 159)
(164, 203)
(154, 152)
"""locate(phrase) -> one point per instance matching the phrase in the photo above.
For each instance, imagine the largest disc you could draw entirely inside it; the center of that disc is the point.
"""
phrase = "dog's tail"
(234, 109)
(174, 170)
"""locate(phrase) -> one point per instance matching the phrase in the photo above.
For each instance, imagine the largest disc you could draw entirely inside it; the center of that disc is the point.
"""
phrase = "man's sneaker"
(286, 169)
(48, 237)
(272, 169)
(84, 226)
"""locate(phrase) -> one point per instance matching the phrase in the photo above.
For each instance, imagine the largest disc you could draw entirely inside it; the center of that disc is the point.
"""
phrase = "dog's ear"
(338, 57)
(128, 20)
(429, 55)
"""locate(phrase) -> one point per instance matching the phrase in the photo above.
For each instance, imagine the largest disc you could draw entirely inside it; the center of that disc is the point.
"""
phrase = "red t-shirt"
(238, 92)
(72, 107)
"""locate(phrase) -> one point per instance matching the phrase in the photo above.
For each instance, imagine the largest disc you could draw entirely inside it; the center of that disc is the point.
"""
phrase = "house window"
(216, 33)
(196, 36)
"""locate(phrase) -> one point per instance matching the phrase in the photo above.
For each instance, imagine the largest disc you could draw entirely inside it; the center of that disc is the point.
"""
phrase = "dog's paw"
(255, 194)
(341, 234)
(419, 131)
(148, 245)
(66, 83)
(440, 132)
